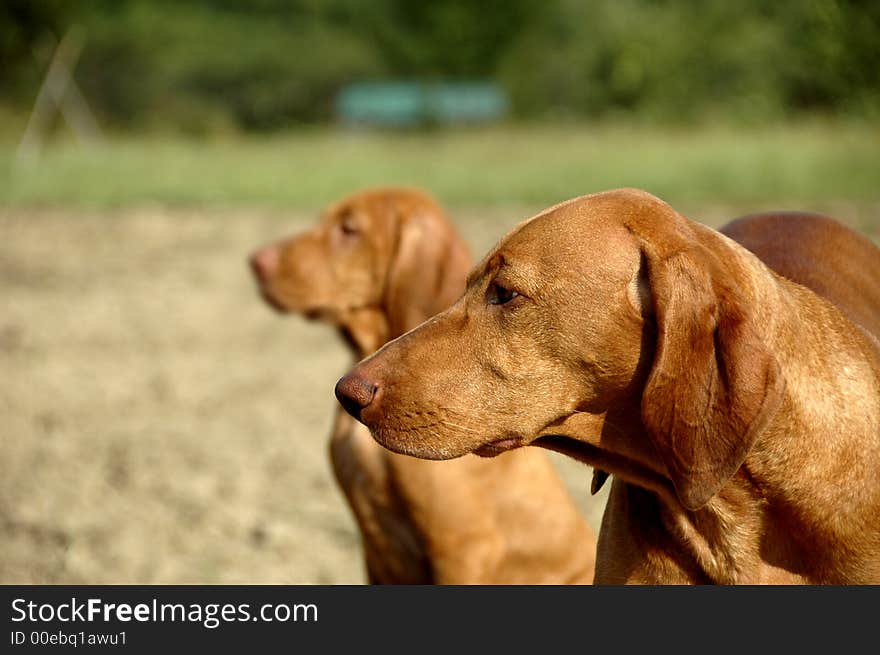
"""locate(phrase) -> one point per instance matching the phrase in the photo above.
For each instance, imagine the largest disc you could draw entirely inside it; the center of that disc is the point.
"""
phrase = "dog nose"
(355, 393)
(264, 263)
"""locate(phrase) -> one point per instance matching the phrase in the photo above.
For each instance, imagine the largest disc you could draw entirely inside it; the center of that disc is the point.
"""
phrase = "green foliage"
(213, 65)
(451, 38)
(24, 25)
(206, 63)
(683, 59)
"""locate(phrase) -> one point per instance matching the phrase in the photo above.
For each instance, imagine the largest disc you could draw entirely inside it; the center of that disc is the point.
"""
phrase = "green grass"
(806, 163)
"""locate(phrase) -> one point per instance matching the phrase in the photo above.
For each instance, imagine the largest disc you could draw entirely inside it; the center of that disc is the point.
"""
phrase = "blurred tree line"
(202, 65)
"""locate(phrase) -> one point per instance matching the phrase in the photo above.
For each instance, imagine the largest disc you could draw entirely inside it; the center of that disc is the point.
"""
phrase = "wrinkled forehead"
(362, 208)
(571, 239)
(338, 210)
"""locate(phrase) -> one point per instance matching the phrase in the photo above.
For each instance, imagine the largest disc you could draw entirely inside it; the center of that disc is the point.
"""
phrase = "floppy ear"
(714, 385)
(428, 270)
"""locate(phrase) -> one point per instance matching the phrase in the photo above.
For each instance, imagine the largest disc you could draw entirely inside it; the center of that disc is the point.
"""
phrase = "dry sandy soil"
(159, 423)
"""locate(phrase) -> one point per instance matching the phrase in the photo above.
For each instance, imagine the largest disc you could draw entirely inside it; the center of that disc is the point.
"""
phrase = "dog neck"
(802, 507)
(790, 513)
(816, 463)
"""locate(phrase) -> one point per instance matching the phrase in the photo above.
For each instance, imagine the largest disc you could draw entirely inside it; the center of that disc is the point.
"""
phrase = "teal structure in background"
(408, 104)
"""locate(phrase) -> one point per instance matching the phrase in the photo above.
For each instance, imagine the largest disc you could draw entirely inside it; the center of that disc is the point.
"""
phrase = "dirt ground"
(159, 423)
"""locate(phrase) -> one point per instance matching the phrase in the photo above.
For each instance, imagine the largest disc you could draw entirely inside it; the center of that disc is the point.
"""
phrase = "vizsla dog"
(379, 263)
(737, 410)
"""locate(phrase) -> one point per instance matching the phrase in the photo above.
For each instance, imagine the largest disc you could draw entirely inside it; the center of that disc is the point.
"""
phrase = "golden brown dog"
(738, 411)
(379, 263)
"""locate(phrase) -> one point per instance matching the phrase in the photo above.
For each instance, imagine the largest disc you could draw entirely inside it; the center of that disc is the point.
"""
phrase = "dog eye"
(348, 227)
(499, 295)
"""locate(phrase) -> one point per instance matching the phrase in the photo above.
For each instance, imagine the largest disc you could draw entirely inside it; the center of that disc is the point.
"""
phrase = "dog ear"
(714, 385)
(428, 269)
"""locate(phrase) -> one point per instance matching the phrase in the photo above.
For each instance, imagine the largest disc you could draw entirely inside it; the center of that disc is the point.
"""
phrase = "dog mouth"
(270, 299)
(310, 313)
(316, 314)
(495, 448)
(273, 302)
(423, 442)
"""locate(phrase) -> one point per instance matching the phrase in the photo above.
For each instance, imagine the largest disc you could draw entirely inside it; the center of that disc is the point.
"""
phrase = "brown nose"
(264, 263)
(355, 393)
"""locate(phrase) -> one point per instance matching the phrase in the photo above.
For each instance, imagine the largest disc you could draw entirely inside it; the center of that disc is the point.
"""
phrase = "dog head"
(387, 250)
